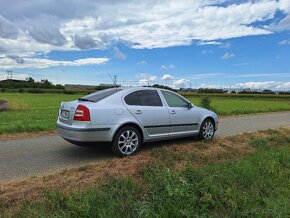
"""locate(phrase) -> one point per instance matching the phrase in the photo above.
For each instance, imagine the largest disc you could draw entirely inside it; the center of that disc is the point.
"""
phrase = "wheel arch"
(210, 118)
(132, 124)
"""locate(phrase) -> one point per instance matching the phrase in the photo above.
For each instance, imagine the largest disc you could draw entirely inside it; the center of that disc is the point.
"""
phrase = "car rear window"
(144, 98)
(100, 95)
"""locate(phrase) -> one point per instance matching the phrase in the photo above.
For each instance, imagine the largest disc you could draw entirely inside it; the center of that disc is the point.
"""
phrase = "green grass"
(256, 185)
(38, 112)
(31, 112)
(245, 105)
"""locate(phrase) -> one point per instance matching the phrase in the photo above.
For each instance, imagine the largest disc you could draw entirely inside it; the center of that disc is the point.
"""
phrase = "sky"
(186, 43)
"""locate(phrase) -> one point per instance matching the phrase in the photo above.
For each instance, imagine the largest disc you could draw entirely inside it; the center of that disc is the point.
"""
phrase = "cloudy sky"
(202, 43)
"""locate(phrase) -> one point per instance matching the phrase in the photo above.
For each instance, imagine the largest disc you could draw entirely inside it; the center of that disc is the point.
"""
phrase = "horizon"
(198, 44)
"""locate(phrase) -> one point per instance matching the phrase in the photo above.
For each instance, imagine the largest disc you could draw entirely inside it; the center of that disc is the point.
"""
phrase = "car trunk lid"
(67, 111)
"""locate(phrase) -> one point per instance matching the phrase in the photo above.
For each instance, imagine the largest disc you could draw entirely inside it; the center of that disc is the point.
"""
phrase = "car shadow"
(74, 153)
(94, 152)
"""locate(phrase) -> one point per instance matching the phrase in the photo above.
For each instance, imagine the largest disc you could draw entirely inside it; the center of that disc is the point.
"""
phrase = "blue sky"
(214, 43)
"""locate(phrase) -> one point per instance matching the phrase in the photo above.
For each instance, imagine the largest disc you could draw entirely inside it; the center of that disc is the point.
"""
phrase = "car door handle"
(138, 112)
(173, 112)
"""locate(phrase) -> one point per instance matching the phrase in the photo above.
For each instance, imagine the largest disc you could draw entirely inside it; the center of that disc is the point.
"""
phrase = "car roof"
(129, 88)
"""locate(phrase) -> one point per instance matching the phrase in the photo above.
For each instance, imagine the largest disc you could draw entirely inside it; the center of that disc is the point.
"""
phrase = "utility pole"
(9, 74)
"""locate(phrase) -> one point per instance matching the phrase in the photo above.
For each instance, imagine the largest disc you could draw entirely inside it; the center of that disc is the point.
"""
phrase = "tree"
(30, 80)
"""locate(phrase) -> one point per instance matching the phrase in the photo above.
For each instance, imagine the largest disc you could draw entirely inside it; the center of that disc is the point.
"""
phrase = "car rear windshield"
(100, 95)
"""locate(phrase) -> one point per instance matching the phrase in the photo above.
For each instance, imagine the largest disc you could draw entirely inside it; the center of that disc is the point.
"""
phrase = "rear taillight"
(82, 113)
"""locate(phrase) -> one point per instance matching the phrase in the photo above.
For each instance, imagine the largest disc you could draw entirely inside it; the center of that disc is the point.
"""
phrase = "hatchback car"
(128, 117)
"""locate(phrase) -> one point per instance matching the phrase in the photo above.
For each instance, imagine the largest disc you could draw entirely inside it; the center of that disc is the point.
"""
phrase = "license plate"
(64, 114)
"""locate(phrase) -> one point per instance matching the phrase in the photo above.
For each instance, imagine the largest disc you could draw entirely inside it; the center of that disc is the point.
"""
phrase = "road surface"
(32, 156)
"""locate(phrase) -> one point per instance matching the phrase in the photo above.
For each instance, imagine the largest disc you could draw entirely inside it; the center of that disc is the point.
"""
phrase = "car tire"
(207, 130)
(126, 141)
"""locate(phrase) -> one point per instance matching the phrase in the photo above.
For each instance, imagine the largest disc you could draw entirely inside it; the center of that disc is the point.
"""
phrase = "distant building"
(79, 87)
(108, 85)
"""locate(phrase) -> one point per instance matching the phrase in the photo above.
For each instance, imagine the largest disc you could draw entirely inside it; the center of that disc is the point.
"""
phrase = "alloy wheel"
(128, 142)
(208, 130)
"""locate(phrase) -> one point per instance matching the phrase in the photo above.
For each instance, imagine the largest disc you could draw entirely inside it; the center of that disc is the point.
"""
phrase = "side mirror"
(190, 105)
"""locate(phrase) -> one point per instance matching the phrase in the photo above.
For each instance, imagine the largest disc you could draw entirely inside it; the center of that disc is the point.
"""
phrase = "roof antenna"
(112, 80)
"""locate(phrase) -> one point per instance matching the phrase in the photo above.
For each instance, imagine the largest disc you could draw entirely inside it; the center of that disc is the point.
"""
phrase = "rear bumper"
(86, 134)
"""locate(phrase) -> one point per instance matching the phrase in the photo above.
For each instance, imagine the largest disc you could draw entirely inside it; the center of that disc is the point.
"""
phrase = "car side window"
(149, 98)
(132, 99)
(144, 98)
(174, 100)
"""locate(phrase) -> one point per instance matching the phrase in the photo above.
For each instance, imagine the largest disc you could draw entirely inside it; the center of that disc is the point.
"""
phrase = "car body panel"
(111, 113)
(154, 120)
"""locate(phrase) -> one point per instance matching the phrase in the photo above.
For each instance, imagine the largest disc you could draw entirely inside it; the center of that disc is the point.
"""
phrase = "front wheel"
(206, 129)
(126, 141)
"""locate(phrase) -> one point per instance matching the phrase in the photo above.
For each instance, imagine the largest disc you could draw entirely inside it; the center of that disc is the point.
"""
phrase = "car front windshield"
(100, 95)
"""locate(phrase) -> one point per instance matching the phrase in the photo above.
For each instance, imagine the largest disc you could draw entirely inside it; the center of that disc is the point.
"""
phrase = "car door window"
(132, 99)
(144, 98)
(149, 98)
(174, 100)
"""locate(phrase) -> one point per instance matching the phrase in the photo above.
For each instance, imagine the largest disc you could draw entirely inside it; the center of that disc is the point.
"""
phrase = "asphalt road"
(32, 156)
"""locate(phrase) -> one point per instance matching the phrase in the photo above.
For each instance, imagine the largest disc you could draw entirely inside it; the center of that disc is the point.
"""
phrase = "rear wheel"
(206, 129)
(126, 141)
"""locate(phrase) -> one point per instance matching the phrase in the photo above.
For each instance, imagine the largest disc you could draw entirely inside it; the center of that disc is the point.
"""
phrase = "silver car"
(128, 117)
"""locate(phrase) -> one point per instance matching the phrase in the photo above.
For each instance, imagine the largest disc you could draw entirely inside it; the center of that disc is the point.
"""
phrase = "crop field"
(38, 112)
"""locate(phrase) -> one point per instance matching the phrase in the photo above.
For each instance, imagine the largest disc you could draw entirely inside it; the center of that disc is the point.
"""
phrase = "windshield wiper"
(85, 99)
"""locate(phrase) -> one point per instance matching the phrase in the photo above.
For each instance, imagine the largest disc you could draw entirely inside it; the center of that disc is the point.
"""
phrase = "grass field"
(241, 176)
(246, 105)
(31, 112)
(38, 112)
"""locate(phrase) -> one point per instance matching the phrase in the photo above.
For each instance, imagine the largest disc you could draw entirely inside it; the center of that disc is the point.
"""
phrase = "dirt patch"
(22, 135)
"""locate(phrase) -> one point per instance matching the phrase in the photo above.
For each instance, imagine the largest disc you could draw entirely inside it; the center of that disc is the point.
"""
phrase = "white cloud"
(259, 75)
(144, 82)
(143, 62)
(41, 26)
(10, 63)
(284, 42)
(119, 54)
(168, 67)
(265, 85)
(225, 45)
(212, 86)
(208, 43)
(146, 78)
(20, 76)
(167, 77)
(228, 56)
(180, 83)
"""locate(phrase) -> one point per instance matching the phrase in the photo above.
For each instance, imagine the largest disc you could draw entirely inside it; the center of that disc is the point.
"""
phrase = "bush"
(68, 92)
(3, 90)
(35, 91)
(205, 102)
(20, 90)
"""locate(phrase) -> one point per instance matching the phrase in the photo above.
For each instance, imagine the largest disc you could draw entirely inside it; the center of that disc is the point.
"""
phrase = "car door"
(183, 117)
(148, 109)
